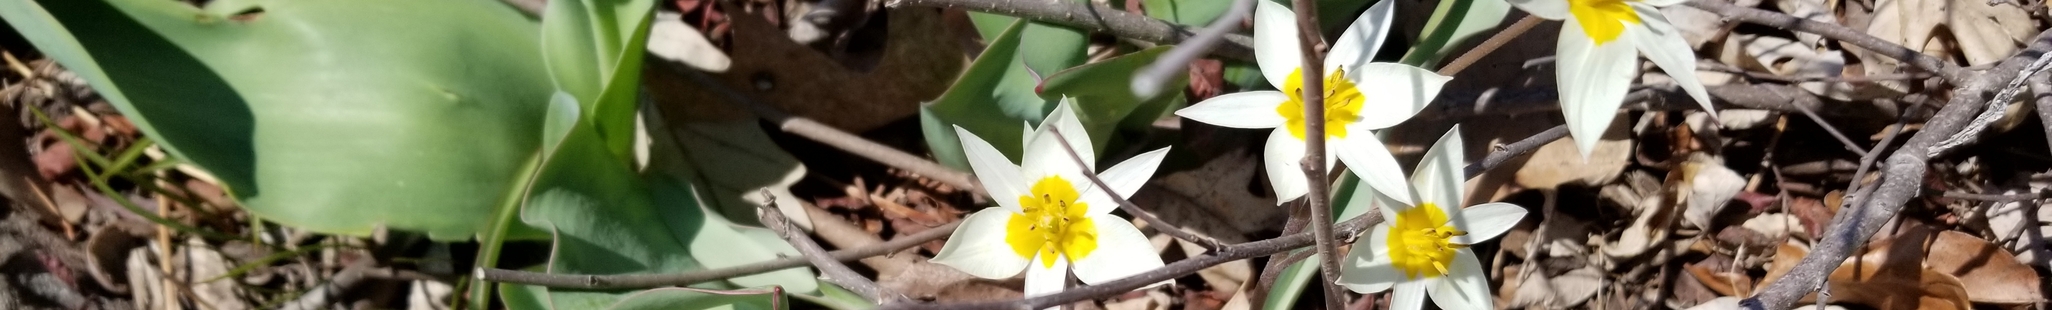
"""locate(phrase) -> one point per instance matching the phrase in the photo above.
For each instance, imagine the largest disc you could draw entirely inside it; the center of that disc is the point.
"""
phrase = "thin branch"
(1207, 242)
(830, 136)
(1151, 78)
(1903, 180)
(1094, 18)
(831, 270)
(1506, 152)
(626, 281)
(1993, 110)
(1833, 130)
(1488, 46)
(1858, 38)
(1174, 270)
(1999, 197)
(2041, 85)
(1311, 45)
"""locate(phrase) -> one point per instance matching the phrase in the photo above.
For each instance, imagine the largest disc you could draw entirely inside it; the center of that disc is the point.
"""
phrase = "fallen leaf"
(1985, 269)
(1981, 32)
(1559, 163)
(1558, 291)
(1710, 185)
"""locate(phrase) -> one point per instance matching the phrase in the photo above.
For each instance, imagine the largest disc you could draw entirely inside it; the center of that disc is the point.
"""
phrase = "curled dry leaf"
(1981, 32)
(1985, 269)
(1558, 163)
(1925, 269)
(1544, 291)
(1709, 185)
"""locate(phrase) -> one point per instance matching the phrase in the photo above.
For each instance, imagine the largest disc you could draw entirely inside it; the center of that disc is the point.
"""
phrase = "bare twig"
(1207, 242)
(830, 269)
(1855, 37)
(1833, 130)
(1180, 268)
(694, 277)
(2042, 86)
(1992, 111)
(1506, 152)
(1999, 197)
(1488, 46)
(1151, 78)
(1903, 180)
(1312, 46)
(1094, 18)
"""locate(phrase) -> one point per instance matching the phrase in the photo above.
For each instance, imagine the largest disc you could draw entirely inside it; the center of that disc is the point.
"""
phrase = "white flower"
(1392, 94)
(1596, 61)
(1422, 249)
(1050, 216)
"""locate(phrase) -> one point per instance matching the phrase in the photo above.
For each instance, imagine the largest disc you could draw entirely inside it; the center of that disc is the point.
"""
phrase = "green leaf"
(1289, 285)
(1104, 95)
(329, 115)
(1187, 12)
(996, 93)
(691, 299)
(1452, 24)
(593, 49)
(1355, 199)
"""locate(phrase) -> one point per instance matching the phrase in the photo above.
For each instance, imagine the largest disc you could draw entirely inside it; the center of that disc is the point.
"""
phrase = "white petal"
(1664, 45)
(1043, 280)
(978, 247)
(1045, 156)
(1658, 3)
(1485, 221)
(1281, 158)
(1000, 178)
(1124, 179)
(1371, 161)
(1464, 287)
(1254, 109)
(1409, 295)
(1367, 266)
(1593, 80)
(1393, 92)
(1439, 175)
(1548, 9)
(1122, 251)
(1388, 207)
(1275, 42)
(1362, 38)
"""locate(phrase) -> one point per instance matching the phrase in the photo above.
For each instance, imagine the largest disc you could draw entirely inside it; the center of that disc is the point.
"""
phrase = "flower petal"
(1464, 286)
(1399, 92)
(1358, 44)
(978, 247)
(1485, 221)
(1042, 280)
(1440, 174)
(1664, 45)
(1281, 158)
(1275, 42)
(1045, 156)
(1367, 266)
(1254, 109)
(1000, 178)
(1593, 80)
(1122, 251)
(1124, 178)
(1410, 295)
(1548, 9)
(1371, 161)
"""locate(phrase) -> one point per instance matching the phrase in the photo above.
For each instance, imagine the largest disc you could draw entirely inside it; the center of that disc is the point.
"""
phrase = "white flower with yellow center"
(1050, 217)
(1422, 249)
(1597, 57)
(1360, 97)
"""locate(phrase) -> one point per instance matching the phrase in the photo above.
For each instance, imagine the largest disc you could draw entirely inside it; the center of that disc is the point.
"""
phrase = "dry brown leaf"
(1724, 283)
(1558, 291)
(1991, 273)
(1886, 276)
(1558, 163)
(1982, 32)
(1213, 199)
(1710, 185)
(919, 62)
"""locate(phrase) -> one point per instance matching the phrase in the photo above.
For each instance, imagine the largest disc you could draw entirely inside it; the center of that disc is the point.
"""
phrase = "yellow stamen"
(1603, 20)
(1420, 241)
(1342, 104)
(1054, 223)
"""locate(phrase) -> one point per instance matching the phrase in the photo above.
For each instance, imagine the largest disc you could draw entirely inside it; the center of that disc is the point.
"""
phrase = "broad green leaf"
(729, 164)
(328, 115)
(679, 298)
(1452, 25)
(996, 93)
(1104, 98)
(1187, 12)
(1289, 285)
(593, 49)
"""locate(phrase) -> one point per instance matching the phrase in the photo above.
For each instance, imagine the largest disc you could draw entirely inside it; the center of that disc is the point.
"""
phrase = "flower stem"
(1311, 43)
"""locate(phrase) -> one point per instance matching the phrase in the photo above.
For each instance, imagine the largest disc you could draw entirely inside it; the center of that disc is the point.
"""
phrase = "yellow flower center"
(1420, 242)
(1602, 20)
(1342, 104)
(1054, 223)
